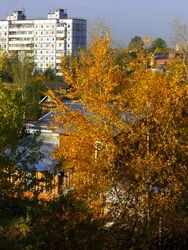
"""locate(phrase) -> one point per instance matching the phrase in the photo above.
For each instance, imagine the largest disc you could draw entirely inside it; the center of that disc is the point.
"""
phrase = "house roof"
(57, 85)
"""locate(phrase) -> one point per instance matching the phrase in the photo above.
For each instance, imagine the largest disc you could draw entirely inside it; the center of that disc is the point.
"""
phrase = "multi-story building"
(47, 39)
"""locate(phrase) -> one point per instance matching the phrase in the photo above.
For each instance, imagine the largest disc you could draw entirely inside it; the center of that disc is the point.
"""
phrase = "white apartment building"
(47, 39)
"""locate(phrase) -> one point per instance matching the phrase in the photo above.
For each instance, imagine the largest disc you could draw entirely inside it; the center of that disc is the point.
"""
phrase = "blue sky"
(126, 18)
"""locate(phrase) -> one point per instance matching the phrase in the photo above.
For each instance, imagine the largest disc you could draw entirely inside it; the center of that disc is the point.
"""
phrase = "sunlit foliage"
(128, 149)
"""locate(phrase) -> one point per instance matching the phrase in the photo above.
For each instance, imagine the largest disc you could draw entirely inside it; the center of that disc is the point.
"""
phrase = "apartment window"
(41, 26)
(41, 32)
(46, 58)
(68, 25)
(47, 65)
(52, 58)
(41, 51)
(41, 65)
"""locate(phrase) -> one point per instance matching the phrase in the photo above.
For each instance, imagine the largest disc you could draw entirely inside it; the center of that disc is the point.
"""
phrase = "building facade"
(47, 39)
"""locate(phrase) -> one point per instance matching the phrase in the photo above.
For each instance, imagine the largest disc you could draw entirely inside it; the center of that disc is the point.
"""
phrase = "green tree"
(18, 154)
(136, 43)
(5, 70)
(158, 45)
(22, 68)
(49, 74)
(123, 58)
(61, 223)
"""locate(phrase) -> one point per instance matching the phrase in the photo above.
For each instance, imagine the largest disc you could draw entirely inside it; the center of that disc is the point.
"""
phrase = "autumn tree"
(154, 158)
(127, 148)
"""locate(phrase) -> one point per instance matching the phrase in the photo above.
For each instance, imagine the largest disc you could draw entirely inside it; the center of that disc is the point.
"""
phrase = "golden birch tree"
(127, 146)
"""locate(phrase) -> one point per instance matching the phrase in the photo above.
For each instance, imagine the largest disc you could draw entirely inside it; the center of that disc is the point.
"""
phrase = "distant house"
(47, 104)
(48, 166)
(162, 60)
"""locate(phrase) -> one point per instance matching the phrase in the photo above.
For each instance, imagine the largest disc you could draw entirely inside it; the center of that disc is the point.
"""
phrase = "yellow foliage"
(134, 133)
